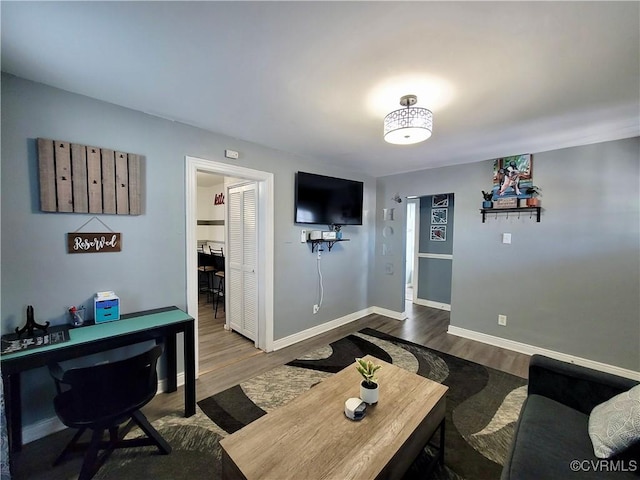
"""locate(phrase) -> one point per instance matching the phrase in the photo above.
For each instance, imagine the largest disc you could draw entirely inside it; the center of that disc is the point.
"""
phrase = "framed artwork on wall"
(439, 216)
(512, 176)
(438, 233)
(440, 201)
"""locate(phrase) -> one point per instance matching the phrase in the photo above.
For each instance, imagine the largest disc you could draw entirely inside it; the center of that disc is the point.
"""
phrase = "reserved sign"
(93, 242)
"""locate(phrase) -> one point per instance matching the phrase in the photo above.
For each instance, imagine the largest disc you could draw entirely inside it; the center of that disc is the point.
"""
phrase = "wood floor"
(227, 358)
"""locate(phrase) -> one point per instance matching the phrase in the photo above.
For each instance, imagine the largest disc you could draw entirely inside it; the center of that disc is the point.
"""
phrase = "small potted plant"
(534, 191)
(368, 386)
(487, 203)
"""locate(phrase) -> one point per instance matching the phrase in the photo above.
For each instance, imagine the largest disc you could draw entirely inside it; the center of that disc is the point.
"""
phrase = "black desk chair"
(218, 272)
(206, 269)
(103, 397)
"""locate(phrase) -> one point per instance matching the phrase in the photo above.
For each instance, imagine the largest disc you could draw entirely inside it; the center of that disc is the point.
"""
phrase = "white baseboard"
(532, 349)
(162, 384)
(51, 425)
(432, 304)
(41, 429)
(389, 313)
(318, 329)
(338, 322)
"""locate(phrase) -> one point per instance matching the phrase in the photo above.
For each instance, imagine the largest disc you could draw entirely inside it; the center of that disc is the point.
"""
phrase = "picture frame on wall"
(440, 200)
(439, 216)
(512, 175)
(438, 233)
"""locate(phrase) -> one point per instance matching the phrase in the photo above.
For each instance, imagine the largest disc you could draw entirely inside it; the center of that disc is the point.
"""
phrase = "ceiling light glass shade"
(408, 125)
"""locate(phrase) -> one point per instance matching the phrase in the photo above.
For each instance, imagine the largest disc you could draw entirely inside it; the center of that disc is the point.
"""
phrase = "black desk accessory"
(12, 342)
(31, 324)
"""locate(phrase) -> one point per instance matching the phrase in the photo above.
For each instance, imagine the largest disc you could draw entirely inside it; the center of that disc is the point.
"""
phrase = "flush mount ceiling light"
(408, 125)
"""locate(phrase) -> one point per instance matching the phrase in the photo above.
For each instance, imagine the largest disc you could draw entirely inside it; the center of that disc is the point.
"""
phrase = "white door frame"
(418, 256)
(416, 246)
(264, 182)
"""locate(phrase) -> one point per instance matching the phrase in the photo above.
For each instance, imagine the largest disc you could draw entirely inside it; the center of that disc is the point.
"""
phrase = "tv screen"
(327, 200)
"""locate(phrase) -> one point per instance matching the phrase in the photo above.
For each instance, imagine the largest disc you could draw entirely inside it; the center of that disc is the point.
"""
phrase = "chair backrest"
(218, 260)
(111, 388)
(205, 260)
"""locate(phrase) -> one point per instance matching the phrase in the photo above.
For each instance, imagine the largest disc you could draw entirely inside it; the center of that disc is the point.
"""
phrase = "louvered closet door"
(242, 248)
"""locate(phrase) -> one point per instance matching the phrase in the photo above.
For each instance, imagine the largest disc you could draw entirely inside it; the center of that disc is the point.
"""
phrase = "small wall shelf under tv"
(314, 243)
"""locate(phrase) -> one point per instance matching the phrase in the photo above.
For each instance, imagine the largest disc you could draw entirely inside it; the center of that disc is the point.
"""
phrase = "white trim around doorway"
(264, 181)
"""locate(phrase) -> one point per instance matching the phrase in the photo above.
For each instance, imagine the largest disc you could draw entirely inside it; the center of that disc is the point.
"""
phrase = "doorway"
(411, 257)
(265, 245)
(433, 255)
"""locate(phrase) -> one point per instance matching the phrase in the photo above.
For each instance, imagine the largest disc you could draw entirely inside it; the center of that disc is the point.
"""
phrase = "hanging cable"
(320, 280)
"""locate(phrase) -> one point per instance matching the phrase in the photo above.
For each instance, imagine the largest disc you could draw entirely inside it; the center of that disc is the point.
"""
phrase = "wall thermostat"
(231, 154)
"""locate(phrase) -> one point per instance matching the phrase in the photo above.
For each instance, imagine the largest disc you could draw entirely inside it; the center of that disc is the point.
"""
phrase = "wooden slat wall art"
(94, 180)
(47, 173)
(122, 184)
(62, 157)
(79, 169)
(135, 201)
(108, 181)
(81, 179)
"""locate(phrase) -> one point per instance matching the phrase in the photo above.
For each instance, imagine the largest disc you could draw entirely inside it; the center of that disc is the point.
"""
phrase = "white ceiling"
(317, 78)
(206, 179)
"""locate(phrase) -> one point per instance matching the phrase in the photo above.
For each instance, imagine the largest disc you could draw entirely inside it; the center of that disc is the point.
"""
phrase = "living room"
(568, 284)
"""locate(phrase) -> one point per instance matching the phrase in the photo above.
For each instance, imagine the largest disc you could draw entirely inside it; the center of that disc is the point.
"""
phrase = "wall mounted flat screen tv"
(327, 200)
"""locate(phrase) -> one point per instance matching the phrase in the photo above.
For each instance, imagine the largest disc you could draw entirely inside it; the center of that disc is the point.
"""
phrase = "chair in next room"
(218, 273)
(205, 273)
(101, 398)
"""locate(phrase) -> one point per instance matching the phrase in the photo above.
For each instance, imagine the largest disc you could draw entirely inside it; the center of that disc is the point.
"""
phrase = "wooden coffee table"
(311, 438)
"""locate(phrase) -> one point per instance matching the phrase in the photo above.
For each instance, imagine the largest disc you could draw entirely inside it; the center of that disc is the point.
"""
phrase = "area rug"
(482, 407)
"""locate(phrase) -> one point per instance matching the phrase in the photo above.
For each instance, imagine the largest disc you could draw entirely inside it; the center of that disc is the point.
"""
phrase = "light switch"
(506, 238)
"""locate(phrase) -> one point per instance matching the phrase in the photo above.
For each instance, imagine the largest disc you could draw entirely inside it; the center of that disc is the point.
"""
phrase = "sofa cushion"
(549, 439)
(615, 424)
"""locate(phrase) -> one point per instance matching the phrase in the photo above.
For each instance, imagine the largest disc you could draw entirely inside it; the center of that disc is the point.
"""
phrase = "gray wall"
(434, 274)
(425, 244)
(570, 283)
(150, 270)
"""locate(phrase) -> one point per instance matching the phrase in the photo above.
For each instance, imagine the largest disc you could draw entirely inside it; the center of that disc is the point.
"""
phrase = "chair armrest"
(573, 385)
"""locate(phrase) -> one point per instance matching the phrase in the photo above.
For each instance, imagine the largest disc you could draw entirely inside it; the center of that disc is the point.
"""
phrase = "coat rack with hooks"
(533, 212)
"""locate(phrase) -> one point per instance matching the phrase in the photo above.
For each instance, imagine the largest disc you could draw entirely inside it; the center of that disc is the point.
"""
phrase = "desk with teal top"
(161, 325)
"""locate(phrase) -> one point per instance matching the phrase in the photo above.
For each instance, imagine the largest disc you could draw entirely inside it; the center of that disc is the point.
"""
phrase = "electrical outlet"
(502, 320)
(303, 236)
(315, 309)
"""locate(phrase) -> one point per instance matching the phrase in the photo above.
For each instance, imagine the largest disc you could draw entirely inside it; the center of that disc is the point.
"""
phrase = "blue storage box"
(106, 308)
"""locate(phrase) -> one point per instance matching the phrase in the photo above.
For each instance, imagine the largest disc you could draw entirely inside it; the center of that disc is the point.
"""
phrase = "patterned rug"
(482, 408)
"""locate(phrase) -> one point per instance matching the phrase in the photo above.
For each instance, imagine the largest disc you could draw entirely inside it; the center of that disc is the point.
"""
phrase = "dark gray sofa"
(552, 430)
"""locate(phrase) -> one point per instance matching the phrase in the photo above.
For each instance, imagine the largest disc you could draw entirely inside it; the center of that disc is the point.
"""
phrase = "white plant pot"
(369, 395)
